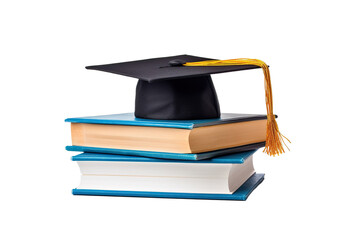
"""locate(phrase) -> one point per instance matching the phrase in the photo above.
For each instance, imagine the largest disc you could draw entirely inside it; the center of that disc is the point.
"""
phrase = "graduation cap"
(180, 88)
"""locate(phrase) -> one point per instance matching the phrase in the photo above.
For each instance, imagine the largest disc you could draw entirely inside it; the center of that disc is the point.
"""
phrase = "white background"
(311, 192)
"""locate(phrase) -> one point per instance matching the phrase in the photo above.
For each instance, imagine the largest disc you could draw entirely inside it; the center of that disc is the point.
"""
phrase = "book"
(239, 195)
(116, 172)
(124, 131)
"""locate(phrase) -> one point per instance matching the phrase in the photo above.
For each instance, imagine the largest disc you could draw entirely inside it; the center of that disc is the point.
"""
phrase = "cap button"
(177, 62)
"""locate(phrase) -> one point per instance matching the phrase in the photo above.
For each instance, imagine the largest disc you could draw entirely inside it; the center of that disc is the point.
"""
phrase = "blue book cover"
(240, 195)
(237, 158)
(168, 155)
(131, 120)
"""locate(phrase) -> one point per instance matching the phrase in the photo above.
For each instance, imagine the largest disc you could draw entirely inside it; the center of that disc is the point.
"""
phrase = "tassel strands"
(274, 139)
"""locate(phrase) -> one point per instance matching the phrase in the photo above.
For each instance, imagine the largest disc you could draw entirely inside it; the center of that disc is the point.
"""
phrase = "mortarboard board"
(180, 88)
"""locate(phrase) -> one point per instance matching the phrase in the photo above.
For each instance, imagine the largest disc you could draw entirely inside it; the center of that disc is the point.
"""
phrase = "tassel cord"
(274, 139)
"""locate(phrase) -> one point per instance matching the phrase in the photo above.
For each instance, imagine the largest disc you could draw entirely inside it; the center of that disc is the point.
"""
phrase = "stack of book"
(199, 159)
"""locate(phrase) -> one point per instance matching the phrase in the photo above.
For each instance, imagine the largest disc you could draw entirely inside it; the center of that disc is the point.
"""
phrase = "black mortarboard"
(180, 88)
(168, 90)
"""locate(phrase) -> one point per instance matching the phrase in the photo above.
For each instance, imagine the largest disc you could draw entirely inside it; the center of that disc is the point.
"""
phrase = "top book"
(124, 131)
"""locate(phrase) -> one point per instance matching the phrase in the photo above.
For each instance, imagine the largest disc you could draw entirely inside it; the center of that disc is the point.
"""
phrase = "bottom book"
(240, 194)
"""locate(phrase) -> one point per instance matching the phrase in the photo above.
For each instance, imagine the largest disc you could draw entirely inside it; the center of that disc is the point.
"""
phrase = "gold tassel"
(274, 139)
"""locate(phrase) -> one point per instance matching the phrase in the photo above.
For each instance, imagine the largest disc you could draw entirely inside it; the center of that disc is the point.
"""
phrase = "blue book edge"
(240, 195)
(236, 158)
(130, 120)
(167, 155)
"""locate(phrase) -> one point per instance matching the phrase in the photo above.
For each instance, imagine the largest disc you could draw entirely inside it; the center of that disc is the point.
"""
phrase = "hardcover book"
(119, 175)
(125, 134)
